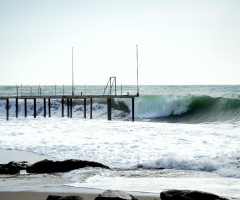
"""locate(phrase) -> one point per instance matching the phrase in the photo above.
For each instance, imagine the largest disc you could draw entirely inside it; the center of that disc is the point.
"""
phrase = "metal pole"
(72, 74)
(21, 89)
(17, 90)
(137, 68)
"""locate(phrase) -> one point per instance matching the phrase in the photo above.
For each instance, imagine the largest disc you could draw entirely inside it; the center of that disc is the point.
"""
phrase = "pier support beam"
(85, 109)
(133, 109)
(16, 107)
(7, 109)
(25, 107)
(49, 107)
(67, 107)
(109, 102)
(62, 107)
(91, 108)
(44, 107)
(70, 108)
(35, 108)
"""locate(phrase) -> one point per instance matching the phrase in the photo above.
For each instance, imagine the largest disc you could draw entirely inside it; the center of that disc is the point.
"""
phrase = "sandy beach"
(39, 188)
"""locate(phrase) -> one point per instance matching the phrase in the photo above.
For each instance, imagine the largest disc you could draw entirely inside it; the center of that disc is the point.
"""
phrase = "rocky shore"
(50, 166)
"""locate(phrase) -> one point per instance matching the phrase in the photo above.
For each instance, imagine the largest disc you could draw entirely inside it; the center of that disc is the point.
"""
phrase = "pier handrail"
(111, 83)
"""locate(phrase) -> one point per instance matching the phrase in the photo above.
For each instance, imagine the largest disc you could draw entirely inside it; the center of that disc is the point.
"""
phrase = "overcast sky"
(179, 41)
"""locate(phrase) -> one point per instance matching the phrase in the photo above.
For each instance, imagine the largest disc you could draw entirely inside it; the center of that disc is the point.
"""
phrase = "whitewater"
(183, 137)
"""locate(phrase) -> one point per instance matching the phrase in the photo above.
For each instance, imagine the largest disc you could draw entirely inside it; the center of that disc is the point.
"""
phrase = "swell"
(188, 109)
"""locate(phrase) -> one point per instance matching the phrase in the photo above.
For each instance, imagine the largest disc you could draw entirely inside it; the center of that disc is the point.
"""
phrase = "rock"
(53, 197)
(115, 195)
(188, 195)
(8, 169)
(49, 166)
(13, 167)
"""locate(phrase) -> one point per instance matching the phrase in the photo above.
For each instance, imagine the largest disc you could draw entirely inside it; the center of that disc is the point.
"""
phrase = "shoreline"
(25, 186)
(40, 189)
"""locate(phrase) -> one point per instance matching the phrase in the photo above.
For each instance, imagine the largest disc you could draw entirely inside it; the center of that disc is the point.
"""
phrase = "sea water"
(183, 137)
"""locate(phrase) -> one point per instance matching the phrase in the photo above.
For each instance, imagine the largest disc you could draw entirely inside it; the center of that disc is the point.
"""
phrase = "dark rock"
(8, 169)
(188, 195)
(49, 166)
(53, 197)
(115, 195)
(13, 167)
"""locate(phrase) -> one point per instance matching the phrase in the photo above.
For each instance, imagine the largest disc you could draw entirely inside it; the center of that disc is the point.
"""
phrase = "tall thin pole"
(137, 68)
(72, 74)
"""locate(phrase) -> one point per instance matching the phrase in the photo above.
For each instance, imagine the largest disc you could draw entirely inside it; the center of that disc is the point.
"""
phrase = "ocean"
(183, 137)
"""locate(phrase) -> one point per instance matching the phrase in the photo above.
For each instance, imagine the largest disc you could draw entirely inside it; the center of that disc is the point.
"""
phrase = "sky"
(180, 42)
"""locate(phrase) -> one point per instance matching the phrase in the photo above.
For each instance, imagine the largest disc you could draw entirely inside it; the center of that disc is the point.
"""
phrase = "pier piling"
(90, 108)
(44, 107)
(85, 109)
(109, 109)
(71, 108)
(133, 109)
(67, 107)
(16, 107)
(35, 108)
(7, 109)
(25, 107)
(49, 107)
(62, 107)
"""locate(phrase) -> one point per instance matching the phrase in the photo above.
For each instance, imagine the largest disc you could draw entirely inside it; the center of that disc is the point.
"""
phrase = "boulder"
(49, 166)
(188, 195)
(13, 167)
(115, 195)
(53, 197)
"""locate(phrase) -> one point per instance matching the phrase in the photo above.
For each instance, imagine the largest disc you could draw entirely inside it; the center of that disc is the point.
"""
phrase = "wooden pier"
(69, 99)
